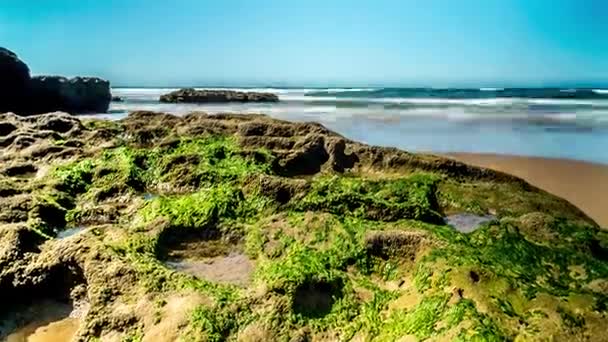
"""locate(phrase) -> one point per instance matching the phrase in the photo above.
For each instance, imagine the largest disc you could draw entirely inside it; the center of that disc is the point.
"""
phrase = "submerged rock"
(191, 95)
(25, 95)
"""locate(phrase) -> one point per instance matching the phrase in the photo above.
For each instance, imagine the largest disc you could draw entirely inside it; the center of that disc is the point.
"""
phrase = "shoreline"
(582, 183)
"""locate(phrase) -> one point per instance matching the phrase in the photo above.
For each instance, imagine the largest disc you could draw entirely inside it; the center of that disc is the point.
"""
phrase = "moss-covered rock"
(335, 240)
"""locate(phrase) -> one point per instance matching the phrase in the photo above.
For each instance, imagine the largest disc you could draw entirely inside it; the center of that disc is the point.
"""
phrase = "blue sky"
(314, 42)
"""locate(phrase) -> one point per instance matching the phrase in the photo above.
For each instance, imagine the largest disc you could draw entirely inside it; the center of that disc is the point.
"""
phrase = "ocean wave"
(480, 96)
(344, 90)
(473, 93)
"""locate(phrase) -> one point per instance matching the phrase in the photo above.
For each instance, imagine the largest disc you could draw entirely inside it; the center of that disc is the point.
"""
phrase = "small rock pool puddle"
(149, 196)
(467, 223)
(234, 268)
(66, 233)
(45, 321)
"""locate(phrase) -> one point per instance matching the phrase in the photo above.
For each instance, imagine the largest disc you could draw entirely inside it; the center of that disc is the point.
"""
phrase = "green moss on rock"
(357, 249)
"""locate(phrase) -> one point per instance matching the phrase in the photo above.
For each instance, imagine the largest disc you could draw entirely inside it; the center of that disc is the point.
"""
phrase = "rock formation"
(75, 95)
(14, 81)
(191, 95)
(24, 95)
(246, 228)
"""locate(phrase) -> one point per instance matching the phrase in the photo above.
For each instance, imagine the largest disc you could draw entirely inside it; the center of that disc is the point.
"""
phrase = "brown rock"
(191, 95)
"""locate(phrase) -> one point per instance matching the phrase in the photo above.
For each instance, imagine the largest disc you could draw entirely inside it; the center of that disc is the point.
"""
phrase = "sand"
(581, 183)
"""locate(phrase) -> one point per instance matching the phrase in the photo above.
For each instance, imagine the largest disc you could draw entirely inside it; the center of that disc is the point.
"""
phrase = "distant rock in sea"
(191, 95)
(24, 95)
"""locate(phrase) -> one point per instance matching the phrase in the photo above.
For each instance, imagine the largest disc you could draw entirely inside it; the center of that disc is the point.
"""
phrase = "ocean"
(545, 122)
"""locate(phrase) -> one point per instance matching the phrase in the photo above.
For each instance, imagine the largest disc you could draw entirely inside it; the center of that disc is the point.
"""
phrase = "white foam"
(491, 89)
(600, 91)
(562, 116)
(344, 90)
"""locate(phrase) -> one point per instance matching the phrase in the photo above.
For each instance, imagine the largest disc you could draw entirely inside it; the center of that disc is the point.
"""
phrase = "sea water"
(546, 122)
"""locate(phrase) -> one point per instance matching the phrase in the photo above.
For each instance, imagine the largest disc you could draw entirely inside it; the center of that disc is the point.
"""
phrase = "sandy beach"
(583, 184)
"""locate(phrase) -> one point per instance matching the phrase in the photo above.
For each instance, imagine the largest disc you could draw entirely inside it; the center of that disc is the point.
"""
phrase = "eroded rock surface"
(212, 227)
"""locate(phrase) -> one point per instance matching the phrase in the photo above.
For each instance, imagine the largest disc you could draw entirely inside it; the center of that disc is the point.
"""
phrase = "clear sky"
(313, 42)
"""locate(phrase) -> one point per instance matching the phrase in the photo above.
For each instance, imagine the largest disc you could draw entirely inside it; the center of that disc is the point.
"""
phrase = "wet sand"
(581, 183)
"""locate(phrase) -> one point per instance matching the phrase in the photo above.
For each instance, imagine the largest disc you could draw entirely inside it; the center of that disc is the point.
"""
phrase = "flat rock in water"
(191, 95)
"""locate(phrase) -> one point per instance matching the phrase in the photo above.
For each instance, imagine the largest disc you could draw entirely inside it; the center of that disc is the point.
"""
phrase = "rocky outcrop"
(141, 224)
(75, 95)
(14, 81)
(25, 95)
(191, 95)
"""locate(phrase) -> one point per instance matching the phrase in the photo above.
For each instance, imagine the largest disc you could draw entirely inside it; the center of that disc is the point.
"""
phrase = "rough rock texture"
(346, 241)
(191, 95)
(24, 95)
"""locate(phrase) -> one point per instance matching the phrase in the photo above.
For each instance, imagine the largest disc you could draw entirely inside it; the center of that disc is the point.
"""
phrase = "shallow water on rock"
(234, 268)
(466, 223)
(66, 233)
(149, 196)
(45, 321)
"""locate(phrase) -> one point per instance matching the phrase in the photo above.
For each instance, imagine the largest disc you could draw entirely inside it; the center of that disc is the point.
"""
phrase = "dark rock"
(340, 161)
(191, 95)
(117, 99)
(315, 299)
(19, 169)
(7, 191)
(49, 213)
(395, 243)
(280, 189)
(309, 157)
(14, 81)
(25, 95)
(6, 128)
(75, 95)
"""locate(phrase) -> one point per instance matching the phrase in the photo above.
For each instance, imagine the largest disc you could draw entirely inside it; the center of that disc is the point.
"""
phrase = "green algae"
(384, 200)
(313, 248)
